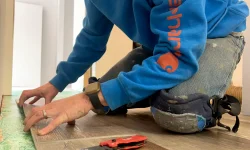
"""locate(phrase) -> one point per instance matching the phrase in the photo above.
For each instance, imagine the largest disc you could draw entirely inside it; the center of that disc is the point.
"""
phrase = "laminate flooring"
(92, 129)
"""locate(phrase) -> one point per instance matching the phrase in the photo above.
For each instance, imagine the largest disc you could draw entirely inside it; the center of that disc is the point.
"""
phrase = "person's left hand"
(60, 111)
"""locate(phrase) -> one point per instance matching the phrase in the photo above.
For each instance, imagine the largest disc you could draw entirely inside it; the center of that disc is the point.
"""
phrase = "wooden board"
(86, 143)
(246, 71)
(87, 75)
(6, 45)
(89, 131)
(92, 129)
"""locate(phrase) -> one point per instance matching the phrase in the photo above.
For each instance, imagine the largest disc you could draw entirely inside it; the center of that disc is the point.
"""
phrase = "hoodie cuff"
(114, 94)
(60, 82)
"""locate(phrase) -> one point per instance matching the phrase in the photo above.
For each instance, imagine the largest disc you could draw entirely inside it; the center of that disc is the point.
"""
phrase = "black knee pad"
(191, 113)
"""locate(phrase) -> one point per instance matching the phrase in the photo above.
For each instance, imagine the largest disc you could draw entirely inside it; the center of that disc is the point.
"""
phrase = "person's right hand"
(47, 91)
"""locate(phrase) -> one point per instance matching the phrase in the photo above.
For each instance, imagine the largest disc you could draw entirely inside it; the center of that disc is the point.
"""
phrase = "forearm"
(89, 47)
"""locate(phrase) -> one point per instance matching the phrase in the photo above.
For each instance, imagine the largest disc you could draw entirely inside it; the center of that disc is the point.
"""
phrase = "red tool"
(133, 142)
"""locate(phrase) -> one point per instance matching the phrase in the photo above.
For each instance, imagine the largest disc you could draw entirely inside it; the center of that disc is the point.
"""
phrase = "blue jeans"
(217, 65)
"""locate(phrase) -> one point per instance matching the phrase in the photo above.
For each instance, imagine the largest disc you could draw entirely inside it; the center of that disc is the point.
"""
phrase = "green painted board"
(12, 136)
(11, 124)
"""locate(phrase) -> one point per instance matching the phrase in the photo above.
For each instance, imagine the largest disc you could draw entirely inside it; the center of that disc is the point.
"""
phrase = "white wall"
(65, 29)
(49, 40)
(79, 14)
(68, 28)
(27, 45)
(57, 39)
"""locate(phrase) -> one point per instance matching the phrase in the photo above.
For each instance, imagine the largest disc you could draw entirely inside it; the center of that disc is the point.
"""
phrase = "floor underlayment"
(12, 136)
(11, 125)
(90, 130)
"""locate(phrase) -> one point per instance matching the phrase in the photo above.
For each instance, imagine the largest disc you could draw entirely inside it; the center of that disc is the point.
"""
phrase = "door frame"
(246, 76)
(6, 45)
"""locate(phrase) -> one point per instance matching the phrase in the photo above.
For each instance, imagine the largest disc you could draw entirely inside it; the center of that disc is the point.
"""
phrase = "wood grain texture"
(81, 144)
(6, 45)
(92, 129)
(87, 75)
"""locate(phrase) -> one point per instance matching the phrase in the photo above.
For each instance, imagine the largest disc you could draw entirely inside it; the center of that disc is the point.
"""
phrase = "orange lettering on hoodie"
(169, 61)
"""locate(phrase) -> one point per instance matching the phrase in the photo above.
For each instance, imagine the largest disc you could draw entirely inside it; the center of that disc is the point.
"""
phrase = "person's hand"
(47, 91)
(60, 111)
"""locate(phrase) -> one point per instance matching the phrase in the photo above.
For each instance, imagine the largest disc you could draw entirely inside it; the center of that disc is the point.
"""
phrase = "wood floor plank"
(84, 144)
(92, 129)
(87, 127)
(243, 132)
(206, 140)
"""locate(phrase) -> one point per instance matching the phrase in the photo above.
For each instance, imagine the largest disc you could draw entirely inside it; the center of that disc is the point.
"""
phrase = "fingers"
(32, 120)
(33, 111)
(36, 115)
(47, 100)
(49, 110)
(28, 94)
(62, 118)
(35, 100)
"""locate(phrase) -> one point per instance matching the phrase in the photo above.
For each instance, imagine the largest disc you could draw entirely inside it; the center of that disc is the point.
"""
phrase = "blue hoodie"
(175, 30)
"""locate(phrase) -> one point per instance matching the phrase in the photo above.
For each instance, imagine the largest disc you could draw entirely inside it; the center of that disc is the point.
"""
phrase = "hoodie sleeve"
(182, 30)
(89, 47)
